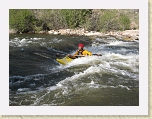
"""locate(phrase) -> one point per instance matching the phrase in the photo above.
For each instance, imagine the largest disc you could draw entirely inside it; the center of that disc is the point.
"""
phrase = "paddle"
(61, 53)
(87, 55)
(97, 54)
(57, 51)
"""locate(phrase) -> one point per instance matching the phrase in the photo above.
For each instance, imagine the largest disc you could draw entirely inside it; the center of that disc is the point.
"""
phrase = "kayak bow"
(67, 59)
(64, 60)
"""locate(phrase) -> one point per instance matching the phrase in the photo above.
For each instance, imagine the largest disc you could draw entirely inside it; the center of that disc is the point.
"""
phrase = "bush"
(124, 21)
(91, 23)
(106, 20)
(24, 20)
(21, 20)
(103, 20)
(75, 18)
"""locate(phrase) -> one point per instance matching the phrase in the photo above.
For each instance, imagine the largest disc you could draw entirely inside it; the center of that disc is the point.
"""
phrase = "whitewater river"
(36, 78)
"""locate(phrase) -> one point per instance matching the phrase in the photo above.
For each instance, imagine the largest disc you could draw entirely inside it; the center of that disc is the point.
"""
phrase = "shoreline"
(127, 35)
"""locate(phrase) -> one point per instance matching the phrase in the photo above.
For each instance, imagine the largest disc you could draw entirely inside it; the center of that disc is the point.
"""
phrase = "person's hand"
(57, 53)
(68, 55)
(99, 55)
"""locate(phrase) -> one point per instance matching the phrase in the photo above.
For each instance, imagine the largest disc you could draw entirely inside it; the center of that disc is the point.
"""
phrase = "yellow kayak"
(64, 60)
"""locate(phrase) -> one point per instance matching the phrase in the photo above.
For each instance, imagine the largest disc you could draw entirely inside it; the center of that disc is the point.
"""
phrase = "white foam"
(18, 42)
(55, 40)
(122, 86)
(116, 43)
(22, 49)
(29, 77)
(83, 60)
(23, 89)
(40, 98)
(35, 39)
(108, 63)
(59, 84)
(52, 88)
(90, 70)
(92, 82)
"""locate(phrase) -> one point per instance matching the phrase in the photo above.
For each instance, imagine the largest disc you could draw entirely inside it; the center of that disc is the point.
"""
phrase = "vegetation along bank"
(87, 22)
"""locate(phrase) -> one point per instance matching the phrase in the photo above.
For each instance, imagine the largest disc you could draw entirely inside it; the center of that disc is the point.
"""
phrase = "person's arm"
(73, 56)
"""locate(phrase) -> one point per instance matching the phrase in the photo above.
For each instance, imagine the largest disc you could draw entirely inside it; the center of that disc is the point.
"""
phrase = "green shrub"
(75, 17)
(24, 20)
(21, 20)
(124, 21)
(108, 21)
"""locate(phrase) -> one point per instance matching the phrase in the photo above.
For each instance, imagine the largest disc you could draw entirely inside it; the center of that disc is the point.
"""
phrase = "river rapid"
(37, 79)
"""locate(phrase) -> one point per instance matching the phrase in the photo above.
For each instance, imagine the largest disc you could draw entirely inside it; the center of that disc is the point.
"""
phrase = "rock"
(127, 35)
(135, 37)
(56, 33)
(31, 32)
(62, 31)
(12, 31)
(93, 34)
(127, 39)
(42, 32)
(51, 31)
(131, 32)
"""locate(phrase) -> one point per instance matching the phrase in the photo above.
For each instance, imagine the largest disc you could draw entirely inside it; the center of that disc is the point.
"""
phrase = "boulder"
(56, 33)
(51, 32)
(93, 34)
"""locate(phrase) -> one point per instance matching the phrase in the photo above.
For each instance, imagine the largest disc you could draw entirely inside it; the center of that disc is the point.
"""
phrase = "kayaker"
(80, 52)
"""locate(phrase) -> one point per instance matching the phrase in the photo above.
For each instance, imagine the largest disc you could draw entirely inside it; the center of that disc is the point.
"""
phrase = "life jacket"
(80, 52)
(83, 52)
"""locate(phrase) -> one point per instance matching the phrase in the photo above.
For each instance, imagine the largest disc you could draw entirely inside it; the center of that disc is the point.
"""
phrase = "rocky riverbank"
(127, 35)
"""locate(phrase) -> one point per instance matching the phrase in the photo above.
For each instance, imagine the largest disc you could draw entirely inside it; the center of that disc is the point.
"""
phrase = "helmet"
(81, 45)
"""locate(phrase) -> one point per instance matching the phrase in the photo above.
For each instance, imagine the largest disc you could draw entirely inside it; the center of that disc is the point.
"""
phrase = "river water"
(36, 78)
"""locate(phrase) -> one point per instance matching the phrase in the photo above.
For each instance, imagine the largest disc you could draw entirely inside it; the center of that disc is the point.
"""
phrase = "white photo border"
(142, 109)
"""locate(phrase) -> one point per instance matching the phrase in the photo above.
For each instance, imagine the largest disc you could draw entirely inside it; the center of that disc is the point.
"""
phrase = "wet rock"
(12, 31)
